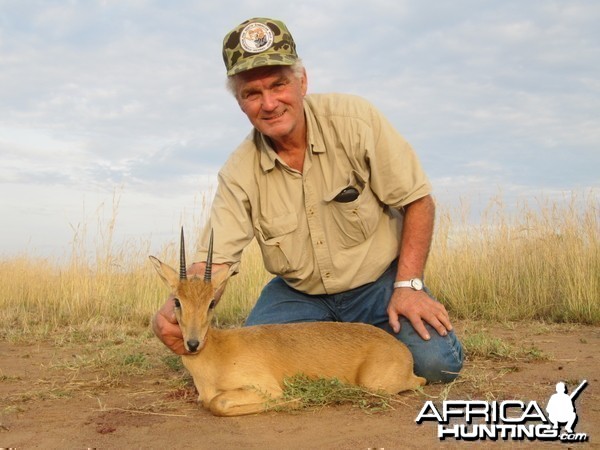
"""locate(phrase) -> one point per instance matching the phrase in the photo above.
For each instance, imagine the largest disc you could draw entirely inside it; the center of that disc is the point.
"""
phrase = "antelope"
(240, 371)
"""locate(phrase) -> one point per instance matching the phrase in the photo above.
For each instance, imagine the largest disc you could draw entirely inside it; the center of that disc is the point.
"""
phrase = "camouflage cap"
(258, 42)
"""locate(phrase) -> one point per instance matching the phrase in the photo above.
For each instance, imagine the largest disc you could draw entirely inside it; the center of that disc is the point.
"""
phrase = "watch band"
(416, 284)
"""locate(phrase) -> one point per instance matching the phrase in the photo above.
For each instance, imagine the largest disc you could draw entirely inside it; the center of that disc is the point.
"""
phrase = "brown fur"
(236, 371)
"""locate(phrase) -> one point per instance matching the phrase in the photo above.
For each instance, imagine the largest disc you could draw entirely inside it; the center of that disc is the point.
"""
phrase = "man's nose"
(269, 101)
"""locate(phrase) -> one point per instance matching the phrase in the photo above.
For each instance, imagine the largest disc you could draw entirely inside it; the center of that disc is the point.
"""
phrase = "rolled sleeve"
(396, 174)
(230, 220)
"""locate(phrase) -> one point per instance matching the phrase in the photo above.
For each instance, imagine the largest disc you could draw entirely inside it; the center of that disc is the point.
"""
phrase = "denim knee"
(442, 369)
(440, 359)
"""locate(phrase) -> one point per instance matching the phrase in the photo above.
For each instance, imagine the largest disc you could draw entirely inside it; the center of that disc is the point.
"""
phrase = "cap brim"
(262, 60)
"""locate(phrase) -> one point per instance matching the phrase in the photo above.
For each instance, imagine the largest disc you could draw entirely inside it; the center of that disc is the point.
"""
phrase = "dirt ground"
(50, 398)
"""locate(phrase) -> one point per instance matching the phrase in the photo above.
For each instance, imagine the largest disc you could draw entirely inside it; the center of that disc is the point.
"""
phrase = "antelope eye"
(212, 305)
(177, 304)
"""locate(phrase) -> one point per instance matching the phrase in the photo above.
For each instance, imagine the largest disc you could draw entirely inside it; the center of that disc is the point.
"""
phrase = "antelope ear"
(219, 280)
(166, 272)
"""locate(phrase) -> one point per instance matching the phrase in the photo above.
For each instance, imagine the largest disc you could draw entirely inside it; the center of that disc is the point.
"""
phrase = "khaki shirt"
(316, 244)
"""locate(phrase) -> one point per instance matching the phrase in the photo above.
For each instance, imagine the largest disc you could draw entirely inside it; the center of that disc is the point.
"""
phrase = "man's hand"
(166, 328)
(418, 307)
(415, 241)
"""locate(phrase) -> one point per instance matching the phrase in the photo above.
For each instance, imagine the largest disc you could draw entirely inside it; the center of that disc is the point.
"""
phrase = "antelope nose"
(193, 345)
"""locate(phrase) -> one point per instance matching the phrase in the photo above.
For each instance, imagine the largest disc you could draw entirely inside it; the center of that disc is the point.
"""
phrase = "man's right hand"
(166, 328)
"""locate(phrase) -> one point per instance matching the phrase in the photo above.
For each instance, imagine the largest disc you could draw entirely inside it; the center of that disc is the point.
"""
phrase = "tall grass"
(537, 262)
(534, 263)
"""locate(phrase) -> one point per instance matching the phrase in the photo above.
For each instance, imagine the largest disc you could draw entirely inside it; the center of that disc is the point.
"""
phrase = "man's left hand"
(418, 307)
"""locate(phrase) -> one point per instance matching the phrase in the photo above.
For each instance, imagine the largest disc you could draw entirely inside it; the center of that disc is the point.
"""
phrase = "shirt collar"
(268, 155)
(311, 126)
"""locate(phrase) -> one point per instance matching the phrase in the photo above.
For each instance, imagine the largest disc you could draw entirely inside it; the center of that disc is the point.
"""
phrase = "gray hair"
(297, 69)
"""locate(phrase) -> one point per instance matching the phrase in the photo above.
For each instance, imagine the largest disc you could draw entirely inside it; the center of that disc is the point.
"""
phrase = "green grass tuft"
(304, 392)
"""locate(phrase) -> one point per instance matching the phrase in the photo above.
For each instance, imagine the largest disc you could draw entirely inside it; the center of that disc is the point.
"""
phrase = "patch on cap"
(256, 37)
(258, 42)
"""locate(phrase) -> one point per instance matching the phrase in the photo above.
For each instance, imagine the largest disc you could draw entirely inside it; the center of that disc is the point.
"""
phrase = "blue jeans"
(438, 359)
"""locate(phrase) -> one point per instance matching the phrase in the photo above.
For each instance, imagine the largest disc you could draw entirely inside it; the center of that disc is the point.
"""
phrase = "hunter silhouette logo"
(561, 406)
(508, 419)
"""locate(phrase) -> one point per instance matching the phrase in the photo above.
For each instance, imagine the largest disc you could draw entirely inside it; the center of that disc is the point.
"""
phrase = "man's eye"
(177, 304)
(250, 96)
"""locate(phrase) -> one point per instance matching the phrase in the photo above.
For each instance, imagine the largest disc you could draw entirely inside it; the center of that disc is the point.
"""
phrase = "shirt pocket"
(355, 221)
(275, 236)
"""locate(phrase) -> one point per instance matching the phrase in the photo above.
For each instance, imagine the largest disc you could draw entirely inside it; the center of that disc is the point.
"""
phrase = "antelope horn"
(182, 269)
(208, 270)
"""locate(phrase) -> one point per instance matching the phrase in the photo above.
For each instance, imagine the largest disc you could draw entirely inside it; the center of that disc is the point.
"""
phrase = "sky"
(115, 112)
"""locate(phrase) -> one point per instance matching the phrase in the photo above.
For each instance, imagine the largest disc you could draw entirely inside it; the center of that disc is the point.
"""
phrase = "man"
(337, 201)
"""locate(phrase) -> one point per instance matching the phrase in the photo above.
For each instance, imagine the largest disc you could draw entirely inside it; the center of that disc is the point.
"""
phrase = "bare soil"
(52, 397)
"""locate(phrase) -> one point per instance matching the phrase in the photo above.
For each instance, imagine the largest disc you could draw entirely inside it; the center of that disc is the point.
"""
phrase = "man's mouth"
(274, 116)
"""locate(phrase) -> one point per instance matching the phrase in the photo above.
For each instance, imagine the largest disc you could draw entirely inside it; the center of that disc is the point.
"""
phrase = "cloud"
(108, 93)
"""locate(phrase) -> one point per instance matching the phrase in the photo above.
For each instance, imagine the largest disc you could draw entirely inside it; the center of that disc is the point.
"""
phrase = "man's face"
(271, 97)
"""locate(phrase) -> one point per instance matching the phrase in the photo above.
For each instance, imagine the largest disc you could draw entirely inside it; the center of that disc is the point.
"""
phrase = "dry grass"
(536, 263)
(539, 262)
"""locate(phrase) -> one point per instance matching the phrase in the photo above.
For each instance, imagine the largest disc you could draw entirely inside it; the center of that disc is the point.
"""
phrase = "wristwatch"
(416, 284)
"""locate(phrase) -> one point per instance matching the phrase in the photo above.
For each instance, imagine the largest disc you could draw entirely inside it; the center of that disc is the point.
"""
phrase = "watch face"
(416, 284)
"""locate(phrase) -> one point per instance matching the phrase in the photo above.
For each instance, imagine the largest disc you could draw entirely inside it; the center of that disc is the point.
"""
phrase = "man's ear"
(304, 83)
